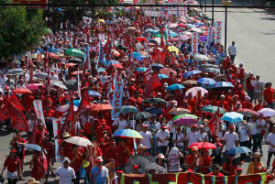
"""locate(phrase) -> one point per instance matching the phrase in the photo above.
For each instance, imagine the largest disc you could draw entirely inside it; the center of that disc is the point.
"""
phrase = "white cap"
(250, 72)
(66, 159)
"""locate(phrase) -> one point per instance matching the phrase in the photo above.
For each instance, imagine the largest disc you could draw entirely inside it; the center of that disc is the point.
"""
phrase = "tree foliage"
(20, 29)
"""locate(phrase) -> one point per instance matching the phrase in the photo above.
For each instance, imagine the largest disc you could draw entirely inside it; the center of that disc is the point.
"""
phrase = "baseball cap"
(103, 121)
(66, 159)
(194, 148)
(98, 160)
(194, 126)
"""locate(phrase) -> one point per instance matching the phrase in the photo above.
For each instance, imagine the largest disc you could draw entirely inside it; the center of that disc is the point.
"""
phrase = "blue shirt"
(101, 177)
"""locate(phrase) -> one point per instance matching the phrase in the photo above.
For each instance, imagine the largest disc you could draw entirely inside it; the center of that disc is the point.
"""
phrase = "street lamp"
(225, 4)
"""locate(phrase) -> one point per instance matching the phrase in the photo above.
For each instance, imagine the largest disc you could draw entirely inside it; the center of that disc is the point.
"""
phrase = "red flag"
(85, 102)
(152, 84)
(4, 113)
(165, 53)
(18, 118)
(147, 74)
(16, 103)
(213, 124)
(108, 49)
(161, 40)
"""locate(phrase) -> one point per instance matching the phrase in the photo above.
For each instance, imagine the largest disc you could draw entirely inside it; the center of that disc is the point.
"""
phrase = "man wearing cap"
(192, 136)
(193, 159)
(178, 139)
(240, 73)
(230, 139)
(102, 127)
(99, 174)
(163, 136)
(232, 51)
(65, 172)
(147, 138)
(244, 134)
(258, 89)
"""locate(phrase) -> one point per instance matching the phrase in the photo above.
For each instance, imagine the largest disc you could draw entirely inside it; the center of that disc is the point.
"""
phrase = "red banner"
(34, 2)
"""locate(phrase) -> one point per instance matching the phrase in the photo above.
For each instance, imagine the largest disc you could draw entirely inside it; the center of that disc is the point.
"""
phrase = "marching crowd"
(125, 48)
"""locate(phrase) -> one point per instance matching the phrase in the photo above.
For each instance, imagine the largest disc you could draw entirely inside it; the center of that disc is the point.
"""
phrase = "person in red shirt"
(222, 103)
(240, 92)
(216, 171)
(47, 145)
(101, 128)
(123, 153)
(247, 103)
(111, 153)
(205, 162)
(13, 164)
(229, 167)
(192, 103)
(28, 101)
(241, 73)
(205, 100)
(259, 106)
(192, 160)
(81, 133)
(76, 160)
(249, 86)
(269, 95)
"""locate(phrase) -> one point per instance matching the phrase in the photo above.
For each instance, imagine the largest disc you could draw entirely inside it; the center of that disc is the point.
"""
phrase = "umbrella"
(80, 141)
(34, 86)
(182, 25)
(200, 57)
(141, 69)
(94, 93)
(209, 66)
(222, 85)
(267, 112)
(178, 111)
(33, 147)
(157, 66)
(190, 73)
(154, 110)
(131, 28)
(167, 71)
(238, 150)
(247, 112)
(173, 25)
(128, 133)
(142, 160)
(212, 109)
(184, 121)
(206, 81)
(184, 116)
(163, 76)
(220, 77)
(118, 66)
(75, 102)
(101, 107)
(71, 84)
(194, 91)
(141, 39)
(15, 72)
(100, 69)
(232, 117)
(112, 62)
(173, 49)
(211, 70)
(154, 100)
(158, 169)
(80, 72)
(53, 55)
(189, 82)
(64, 108)
(75, 52)
(175, 87)
(127, 109)
(136, 54)
(142, 115)
(184, 37)
(58, 84)
(41, 75)
(203, 145)
(75, 60)
(22, 91)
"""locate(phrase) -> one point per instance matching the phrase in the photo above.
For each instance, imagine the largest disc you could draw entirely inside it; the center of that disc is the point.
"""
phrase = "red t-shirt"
(123, 154)
(247, 105)
(189, 159)
(12, 164)
(206, 162)
(77, 163)
(230, 168)
(269, 95)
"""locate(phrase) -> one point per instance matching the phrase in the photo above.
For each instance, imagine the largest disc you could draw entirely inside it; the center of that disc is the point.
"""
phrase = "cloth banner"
(218, 33)
(117, 99)
(194, 43)
(39, 110)
(191, 178)
(56, 141)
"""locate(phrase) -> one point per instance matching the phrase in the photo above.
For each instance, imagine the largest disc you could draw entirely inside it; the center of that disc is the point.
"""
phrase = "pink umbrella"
(184, 121)
(184, 37)
(65, 107)
(34, 86)
(183, 21)
(182, 25)
(22, 91)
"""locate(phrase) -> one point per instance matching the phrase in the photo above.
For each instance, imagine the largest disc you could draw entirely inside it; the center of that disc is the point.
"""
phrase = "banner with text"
(218, 32)
(39, 110)
(194, 43)
(117, 99)
(58, 158)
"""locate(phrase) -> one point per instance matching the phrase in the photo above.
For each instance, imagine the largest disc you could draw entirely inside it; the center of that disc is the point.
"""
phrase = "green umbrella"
(142, 115)
(212, 109)
(127, 109)
(159, 36)
(185, 115)
(154, 100)
(74, 52)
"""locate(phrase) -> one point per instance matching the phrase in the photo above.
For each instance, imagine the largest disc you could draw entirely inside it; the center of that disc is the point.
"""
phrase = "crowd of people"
(137, 50)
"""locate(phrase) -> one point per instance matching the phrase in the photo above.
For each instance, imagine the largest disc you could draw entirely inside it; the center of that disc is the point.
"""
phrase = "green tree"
(20, 29)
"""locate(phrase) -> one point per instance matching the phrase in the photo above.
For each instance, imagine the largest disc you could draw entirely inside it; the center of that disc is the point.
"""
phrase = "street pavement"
(253, 30)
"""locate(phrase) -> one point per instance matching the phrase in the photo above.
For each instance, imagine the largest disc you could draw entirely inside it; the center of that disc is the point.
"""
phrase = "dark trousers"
(76, 181)
(259, 142)
(246, 144)
(10, 181)
(162, 149)
(269, 158)
(255, 142)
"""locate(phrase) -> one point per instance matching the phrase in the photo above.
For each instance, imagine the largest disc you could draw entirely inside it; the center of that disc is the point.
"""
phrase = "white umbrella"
(198, 30)
(195, 90)
(173, 25)
(80, 141)
(33, 147)
(184, 37)
(266, 112)
(200, 57)
(65, 107)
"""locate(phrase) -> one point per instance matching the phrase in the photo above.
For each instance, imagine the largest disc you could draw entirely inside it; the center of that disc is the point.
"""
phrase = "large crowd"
(174, 112)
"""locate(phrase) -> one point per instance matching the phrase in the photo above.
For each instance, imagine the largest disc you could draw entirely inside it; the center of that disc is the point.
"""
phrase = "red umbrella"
(80, 72)
(203, 145)
(118, 66)
(22, 91)
(52, 55)
(167, 71)
(182, 25)
(247, 112)
(101, 107)
(140, 39)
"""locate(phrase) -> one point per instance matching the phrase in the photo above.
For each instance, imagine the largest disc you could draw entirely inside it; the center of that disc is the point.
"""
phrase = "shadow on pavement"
(4, 133)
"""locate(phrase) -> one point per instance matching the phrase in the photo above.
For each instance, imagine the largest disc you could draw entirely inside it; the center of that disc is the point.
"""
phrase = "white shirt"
(253, 131)
(271, 140)
(261, 123)
(179, 137)
(162, 135)
(202, 136)
(243, 130)
(3, 81)
(121, 124)
(232, 50)
(192, 137)
(258, 86)
(65, 175)
(146, 138)
(171, 126)
(230, 140)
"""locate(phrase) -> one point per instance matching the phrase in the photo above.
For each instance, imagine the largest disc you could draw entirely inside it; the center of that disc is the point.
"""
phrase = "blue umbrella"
(151, 31)
(141, 69)
(157, 66)
(140, 58)
(75, 102)
(190, 73)
(128, 133)
(33, 147)
(175, 87)
(153, 41)
(100, 69)
(232, 117)
(154, 110)
(206, 81)
(163, 76)
(171, 33)
(112, 62)
(135, 54)
(127, 109)
(222, 85)
(238, 150)
(94, 93)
